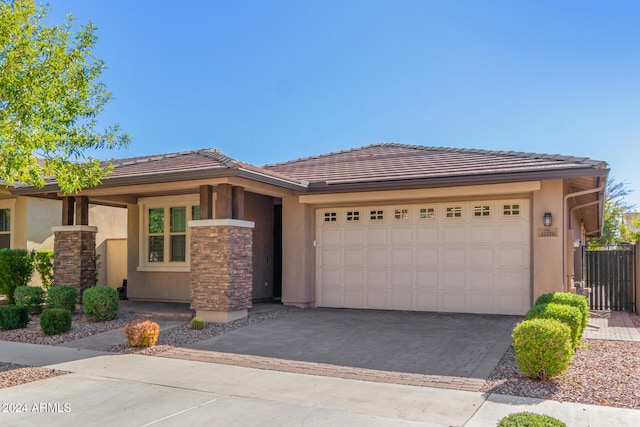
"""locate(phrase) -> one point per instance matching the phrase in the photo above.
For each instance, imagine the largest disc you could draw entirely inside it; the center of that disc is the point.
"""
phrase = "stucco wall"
(116, 262)
(298, 254)
(547, 251)
(42, 215)
(112, 224)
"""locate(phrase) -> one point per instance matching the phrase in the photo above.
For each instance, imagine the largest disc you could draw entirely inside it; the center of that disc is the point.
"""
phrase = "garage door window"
(453, 212)
(511, 210)
(330, 217)
(376, 215)
(401, 214)
(353, 216)
(427, 213)
(482, 211)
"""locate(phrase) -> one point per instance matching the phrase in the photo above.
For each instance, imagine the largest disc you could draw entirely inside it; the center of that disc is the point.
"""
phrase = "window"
(353, 216)
(165, 235)
(376, 215)
(5, 228)
(330, 217)
(453, 212)
(511, 209)
(427, 213)
(482, 211)
(401, 214)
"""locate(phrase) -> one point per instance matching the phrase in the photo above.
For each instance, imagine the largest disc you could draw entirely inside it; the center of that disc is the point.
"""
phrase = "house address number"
(548, 232)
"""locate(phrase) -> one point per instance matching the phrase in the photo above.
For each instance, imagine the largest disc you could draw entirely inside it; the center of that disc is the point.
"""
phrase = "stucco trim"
(75, 228)
(165, 268)
(462, 191)
(222, 223)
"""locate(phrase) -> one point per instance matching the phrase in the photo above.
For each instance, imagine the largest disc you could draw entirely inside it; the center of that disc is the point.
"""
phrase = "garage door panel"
(377, 278)
(427, 279)
(376, 236)
(482, 233)
(402, 279)
(353, 236)
(427, 256)
(454, 279)
(454, 234)
(401, 257)
(353, 257)
(454, 255)
(427, 234)
(433, 257)
(481, 256)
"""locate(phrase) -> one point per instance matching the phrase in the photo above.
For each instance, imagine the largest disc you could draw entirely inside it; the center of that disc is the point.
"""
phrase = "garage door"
(465, 257)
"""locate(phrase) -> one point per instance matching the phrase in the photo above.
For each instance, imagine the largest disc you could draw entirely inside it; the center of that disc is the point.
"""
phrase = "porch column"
(221, 281)
(223, 201)
(237, 194)
(74, 261)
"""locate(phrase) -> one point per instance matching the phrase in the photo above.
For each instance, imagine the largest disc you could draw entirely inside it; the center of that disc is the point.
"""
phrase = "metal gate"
(611, 276)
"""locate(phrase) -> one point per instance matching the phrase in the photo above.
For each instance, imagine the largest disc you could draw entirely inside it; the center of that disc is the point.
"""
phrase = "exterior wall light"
(547, 219)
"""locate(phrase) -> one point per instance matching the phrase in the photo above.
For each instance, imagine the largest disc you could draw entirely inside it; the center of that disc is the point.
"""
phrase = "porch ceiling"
(591, 214)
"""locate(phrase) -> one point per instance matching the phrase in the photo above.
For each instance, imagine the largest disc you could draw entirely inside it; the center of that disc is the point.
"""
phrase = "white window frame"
(165, 202)
(511, 215)
(426, 213)
(11, 205)
(481, 205)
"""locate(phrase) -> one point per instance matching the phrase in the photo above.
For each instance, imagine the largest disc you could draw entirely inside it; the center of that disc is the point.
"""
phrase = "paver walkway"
(611, 325)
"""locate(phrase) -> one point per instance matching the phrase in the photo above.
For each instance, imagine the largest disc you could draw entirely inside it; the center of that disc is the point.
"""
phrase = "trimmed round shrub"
(54, 321)
(142, 333)
(62, 296)
(566, 314)
(13, 316)
(529, 419)
(100, 303)
(543, 347)
(31, 297)
(579, 301)
(197, 324)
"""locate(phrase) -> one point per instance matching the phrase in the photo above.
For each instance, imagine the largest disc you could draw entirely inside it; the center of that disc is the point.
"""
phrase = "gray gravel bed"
(184, 335)
(605, 373)
(12, 374)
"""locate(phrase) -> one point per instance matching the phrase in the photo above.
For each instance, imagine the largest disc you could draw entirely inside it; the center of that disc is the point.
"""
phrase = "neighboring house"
(387, 226)
(27, 223)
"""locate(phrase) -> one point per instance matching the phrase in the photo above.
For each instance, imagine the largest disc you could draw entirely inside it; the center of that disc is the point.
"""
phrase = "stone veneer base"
(221, 316)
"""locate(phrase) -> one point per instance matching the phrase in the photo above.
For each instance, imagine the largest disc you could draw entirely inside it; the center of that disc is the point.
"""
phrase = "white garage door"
(465, 257)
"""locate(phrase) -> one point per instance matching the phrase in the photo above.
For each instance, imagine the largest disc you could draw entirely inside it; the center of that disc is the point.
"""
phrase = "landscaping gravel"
(12, 374)
(605, 373)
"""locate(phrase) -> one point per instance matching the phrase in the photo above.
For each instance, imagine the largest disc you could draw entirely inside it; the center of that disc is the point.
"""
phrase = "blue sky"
(268, 81)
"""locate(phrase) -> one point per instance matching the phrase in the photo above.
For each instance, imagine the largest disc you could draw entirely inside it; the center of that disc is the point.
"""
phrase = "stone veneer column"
(221, 283)
(74, 252)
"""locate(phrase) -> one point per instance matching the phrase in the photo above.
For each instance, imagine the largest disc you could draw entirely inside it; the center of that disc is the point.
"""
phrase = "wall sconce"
(546, 220)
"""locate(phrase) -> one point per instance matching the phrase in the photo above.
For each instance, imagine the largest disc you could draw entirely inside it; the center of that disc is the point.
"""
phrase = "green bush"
(54, 321)
(16, 268)
(528, 419)
(568, 298)
(543, 347)
(197, 324)
(100, 303)
(567, 314)
(62, 296)
(44, 266)
(13, 316)
(31, 297)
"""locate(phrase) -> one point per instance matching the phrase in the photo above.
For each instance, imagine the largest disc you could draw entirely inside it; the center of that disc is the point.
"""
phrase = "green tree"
(614, 229)
(50, 97)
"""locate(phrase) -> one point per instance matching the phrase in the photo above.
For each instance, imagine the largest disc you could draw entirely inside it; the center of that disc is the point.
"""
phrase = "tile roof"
(393, 162)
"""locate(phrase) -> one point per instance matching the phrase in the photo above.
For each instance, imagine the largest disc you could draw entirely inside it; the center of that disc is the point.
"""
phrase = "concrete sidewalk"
(132, 390)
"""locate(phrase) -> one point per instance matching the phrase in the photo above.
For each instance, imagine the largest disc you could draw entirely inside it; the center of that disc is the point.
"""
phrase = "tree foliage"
(50, 97)
(620, 223)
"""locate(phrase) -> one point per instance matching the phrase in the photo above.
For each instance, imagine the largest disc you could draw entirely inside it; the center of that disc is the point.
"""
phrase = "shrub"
(31, 297)
(62, 296)
(197, 324)
(567, 314)
(16, 268)
(44, 266)
(528, 419)
(13, 316)
(100, 303)
(142, 333)
(54, 321)
(543, 348)
(567, 298)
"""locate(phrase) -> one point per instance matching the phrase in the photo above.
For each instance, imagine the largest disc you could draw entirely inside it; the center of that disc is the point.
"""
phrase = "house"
(27, 223)
(385, 226)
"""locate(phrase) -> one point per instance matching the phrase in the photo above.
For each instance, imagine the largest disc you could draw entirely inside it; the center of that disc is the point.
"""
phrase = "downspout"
(568, 223)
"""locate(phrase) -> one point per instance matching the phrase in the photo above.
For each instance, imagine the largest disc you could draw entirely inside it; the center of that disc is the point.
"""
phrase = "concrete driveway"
(441, 344)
